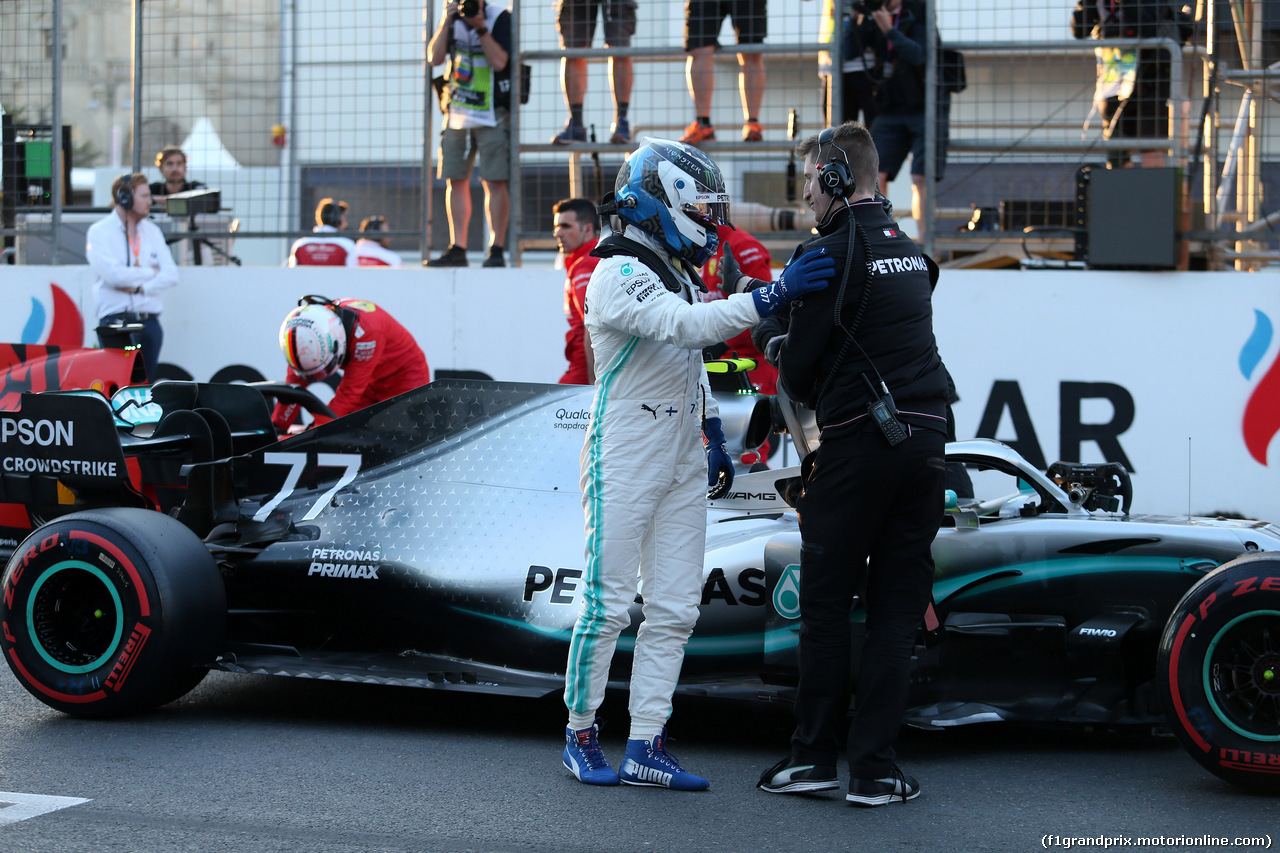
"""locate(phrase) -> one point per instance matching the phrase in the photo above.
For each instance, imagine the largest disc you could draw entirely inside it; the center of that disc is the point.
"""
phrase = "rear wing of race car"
(62, 452)
(59, 453)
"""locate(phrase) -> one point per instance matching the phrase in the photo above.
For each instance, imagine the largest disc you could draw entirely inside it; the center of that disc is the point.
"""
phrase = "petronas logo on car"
(786, 595)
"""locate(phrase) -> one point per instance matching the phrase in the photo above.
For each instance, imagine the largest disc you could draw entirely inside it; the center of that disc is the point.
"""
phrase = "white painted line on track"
(18, 807)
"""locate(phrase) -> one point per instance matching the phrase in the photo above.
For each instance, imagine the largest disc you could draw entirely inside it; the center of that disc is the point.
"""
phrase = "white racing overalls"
(644, 479)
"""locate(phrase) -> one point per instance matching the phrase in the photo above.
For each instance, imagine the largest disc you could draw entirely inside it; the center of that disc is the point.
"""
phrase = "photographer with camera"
(896, 32)
(475, 38)
(862, 355)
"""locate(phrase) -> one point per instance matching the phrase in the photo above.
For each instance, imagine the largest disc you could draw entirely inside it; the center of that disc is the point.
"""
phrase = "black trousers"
(868, 515)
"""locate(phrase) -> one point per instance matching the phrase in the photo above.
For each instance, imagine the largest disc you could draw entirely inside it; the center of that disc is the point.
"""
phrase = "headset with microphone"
(124, 194)
(835, 177)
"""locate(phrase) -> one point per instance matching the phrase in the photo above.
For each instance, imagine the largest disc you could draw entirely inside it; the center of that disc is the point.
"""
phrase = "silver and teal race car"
(436, 540)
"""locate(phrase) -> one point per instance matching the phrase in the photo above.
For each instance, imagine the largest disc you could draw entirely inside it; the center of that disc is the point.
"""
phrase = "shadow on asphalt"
(724, 723)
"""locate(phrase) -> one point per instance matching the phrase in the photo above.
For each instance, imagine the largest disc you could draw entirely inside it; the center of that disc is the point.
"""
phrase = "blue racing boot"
(583, 758)
(647, 762)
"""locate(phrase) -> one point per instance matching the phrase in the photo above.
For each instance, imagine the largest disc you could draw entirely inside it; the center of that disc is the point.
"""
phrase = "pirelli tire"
(1219, 668)
(111, 612)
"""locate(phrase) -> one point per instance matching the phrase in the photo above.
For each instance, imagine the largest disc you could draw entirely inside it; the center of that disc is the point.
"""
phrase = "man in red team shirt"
(740, 250)
(577, 230)
(377, 356)
(326, 248)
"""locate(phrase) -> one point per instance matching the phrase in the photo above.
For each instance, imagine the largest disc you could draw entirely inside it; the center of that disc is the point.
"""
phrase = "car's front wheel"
(112, 611)
(1219, 665)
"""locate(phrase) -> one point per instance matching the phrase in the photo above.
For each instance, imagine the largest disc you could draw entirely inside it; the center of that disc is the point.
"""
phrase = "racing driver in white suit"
(644, 458)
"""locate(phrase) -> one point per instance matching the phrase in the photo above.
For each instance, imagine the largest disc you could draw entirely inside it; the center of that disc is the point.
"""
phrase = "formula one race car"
(436, 540)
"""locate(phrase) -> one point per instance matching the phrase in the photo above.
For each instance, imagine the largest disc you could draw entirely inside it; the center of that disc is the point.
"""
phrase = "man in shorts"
(702, 21)
(576, 24)
(478, 49)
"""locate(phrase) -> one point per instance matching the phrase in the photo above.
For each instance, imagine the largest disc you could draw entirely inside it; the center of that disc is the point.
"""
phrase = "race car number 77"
(350, 462)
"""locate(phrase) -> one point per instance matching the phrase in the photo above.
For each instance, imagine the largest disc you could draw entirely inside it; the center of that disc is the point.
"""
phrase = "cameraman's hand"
(883, 19)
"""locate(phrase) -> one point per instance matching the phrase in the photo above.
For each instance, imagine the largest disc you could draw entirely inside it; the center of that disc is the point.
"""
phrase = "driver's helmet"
(676, 193)
(313, 341)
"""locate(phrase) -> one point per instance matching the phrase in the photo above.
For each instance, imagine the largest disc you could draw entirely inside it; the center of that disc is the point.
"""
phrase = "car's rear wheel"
(110, 612)
(1219, 665)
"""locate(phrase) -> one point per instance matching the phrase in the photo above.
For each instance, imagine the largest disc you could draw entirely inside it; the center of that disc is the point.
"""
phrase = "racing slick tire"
(110, 612)
(1219, 671)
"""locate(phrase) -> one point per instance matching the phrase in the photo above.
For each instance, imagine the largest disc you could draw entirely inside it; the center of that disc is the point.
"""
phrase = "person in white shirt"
(326, 249)
(132, 265)
(374, 250)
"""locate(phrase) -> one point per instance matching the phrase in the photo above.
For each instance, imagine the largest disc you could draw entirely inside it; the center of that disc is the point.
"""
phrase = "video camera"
(191, 202)
(469, 8)
(866, 7)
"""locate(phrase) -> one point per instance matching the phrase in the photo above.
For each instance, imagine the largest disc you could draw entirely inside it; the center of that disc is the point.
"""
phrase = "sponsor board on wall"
(1177, 375)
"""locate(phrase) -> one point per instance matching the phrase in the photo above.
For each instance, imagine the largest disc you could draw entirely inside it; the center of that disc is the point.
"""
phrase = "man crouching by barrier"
(654, 430)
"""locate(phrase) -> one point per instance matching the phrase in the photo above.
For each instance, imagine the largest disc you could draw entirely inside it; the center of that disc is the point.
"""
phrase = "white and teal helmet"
(676, 193)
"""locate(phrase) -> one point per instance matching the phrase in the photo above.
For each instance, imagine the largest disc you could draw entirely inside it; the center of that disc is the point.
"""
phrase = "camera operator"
(872, 496)
(895, 30)
(172, 163)
(475, 37)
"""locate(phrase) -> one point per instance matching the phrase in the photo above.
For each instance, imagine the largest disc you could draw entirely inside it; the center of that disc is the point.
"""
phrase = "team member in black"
(873, 492)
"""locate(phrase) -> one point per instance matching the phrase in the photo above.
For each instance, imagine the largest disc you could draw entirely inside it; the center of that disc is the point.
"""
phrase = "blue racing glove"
(719, 465)
(811, 271)
(729, 271)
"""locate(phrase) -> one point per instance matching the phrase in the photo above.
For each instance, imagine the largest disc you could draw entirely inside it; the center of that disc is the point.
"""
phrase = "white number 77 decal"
(297, 462)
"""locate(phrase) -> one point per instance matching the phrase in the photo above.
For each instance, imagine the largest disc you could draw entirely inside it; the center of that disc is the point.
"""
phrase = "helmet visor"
(709, 214)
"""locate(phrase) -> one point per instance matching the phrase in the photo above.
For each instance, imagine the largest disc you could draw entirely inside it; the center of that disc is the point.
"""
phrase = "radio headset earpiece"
(124, 195)
(835, 177)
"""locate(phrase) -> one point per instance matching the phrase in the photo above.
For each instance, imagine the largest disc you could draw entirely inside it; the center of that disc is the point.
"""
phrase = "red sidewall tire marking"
(144, 604)
(53, 694)
(1175, 686)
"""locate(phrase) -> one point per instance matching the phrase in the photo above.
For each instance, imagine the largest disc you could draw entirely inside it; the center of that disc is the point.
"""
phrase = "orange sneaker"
(698, 133)
(752, 132)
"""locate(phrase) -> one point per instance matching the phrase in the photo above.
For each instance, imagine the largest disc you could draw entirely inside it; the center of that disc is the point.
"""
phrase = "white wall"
(1176, 344)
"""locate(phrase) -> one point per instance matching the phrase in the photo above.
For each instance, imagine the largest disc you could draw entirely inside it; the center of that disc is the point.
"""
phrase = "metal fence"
(280, 103)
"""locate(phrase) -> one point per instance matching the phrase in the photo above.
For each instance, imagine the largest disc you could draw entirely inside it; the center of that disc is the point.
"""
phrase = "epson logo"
(1098, 632)
(42, 432)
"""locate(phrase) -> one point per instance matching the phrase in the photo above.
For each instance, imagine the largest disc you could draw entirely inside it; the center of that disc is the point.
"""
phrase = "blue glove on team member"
(811, 271)
(719, 465)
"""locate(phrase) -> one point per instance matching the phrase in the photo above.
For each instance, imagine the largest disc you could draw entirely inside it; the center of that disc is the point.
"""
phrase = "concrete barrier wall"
(1175, 374)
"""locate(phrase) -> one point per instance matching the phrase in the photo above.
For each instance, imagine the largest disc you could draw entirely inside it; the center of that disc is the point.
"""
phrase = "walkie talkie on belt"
(884, 413)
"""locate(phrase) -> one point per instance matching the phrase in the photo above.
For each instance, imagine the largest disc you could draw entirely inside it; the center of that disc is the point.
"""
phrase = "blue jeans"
(150, 340)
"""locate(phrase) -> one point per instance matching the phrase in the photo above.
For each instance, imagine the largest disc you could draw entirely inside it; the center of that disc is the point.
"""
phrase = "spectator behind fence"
(896, 31)
(576, 24)
(475, 38)
(326, 249)
(702, 22)
(857, 88)
(1132, 90)
(373, 249)
(172, 163)
(132, 265)
(577, 230)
